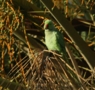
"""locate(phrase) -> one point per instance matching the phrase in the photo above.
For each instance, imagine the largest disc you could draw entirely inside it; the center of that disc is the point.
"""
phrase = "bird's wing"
(61, 41)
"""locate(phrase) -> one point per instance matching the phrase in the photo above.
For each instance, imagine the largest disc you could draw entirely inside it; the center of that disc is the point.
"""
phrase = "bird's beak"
(46, 26)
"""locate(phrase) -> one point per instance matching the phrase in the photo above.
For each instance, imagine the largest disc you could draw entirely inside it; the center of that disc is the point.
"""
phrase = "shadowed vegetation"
(25, 62)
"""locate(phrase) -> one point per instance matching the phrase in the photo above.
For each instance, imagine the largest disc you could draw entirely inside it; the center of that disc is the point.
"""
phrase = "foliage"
(24, 63)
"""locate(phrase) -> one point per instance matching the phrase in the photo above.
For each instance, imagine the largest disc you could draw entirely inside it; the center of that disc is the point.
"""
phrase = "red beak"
(46, 26)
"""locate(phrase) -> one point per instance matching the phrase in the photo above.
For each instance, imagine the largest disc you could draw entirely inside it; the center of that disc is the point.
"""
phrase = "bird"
(54, 39)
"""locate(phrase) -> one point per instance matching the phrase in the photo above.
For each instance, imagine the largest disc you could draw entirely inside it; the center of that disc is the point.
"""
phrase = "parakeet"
(53, 38)
(54, 41)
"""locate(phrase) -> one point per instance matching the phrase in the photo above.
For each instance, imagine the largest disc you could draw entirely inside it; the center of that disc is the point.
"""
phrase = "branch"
(82, 47)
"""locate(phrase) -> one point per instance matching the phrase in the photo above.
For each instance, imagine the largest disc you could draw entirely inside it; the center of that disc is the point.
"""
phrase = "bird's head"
(48, 24)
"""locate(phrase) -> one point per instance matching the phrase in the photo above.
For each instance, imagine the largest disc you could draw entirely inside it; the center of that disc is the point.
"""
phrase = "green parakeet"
(53, 38)
(54, 41)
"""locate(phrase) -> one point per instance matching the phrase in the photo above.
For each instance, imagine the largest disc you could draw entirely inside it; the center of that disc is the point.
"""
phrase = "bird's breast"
(50, 40)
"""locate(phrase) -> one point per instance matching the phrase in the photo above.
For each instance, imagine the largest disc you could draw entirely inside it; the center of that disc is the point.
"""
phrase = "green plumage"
(53, 38)
(54, 41)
